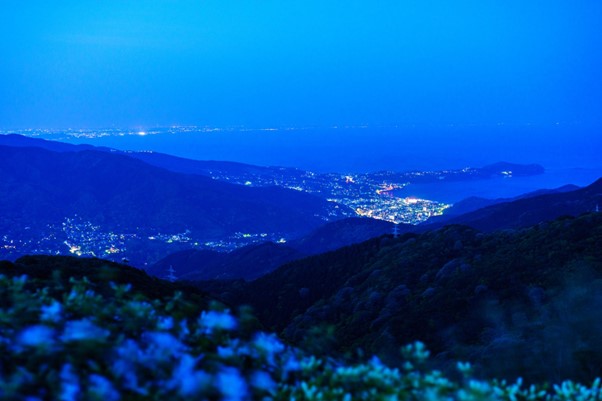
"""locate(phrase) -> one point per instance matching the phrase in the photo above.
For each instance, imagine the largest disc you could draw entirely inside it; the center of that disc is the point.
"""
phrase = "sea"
(571, 154)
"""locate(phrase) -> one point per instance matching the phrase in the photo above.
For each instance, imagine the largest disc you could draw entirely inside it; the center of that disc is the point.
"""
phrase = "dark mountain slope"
(474, 202)
(86, 329)
(528, 211)
(203, 167)
(168, 162)
(511, 302)
(41, 187)
(185, 262)
(57, 271)
(248, 262)
(255, 260)
(344, 232)
(21, 141)
(240, 172)
(298, 285)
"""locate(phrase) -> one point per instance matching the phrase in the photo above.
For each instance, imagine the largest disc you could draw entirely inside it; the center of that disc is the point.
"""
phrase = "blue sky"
(266, 63)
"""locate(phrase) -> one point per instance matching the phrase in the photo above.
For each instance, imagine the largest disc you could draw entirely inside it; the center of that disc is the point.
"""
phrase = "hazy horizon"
(361, 149)
(413, 85)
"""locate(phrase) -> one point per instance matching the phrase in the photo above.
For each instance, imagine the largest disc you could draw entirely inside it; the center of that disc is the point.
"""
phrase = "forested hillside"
(515, 302)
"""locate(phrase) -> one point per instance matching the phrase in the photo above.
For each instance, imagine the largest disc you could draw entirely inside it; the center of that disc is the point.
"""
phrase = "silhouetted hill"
(168, 162)
(263, 175)
(21, 141)
(474, 202)
(203, 167)
(344, 232)
(184, 262)
(256, 260)
(562, 189)
(528, 211)
(513, 302)
(41, 187)
(248, 262)
(57, 271)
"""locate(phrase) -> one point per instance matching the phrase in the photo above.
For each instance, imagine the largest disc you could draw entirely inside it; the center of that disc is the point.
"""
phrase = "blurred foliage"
(65, 335)
(516, 303)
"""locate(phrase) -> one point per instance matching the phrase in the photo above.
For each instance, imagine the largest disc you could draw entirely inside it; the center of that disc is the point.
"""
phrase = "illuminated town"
(381, 195)
(362, 194)
(370, 195)
(79, 237)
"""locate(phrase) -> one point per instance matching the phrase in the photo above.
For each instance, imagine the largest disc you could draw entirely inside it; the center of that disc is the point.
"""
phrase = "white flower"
(232, 385)
(165, 323)
(225, 352)
(127, 374)
(464, 367)
(162, 345)
(103, 389)
(269, 345)
(127, 356)
(290, 363)
(214, 320)
(70, 387)
(52, 312)
(81, 330)
(20, 281)
(376, 362)
(37, 335)
(184, 331)
(129, 351)
(187, 379)
(263, 381)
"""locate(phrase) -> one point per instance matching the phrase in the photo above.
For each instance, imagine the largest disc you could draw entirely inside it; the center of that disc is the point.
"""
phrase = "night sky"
(124, 63)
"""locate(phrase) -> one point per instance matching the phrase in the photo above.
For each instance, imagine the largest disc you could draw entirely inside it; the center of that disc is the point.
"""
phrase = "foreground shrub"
(74, 343)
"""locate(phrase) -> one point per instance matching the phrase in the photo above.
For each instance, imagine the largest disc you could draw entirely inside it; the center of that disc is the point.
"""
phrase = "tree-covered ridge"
(515, 303)
(528, 210)
(125, 195)
(65, 336)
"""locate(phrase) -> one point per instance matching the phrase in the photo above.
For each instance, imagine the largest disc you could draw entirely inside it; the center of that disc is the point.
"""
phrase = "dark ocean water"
(452, 192)
(571, 155)
(370, 149)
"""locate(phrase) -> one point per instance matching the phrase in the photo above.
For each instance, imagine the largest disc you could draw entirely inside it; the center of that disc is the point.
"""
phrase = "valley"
(77, 229)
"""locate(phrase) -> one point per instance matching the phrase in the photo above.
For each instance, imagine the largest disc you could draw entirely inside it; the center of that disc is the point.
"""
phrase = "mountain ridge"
(528, 211)
(486, 298)
(533, 208)
(117, 192)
